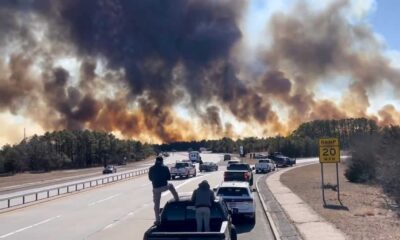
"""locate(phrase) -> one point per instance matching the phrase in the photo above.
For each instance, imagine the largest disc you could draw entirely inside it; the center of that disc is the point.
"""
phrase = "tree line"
(70, 149)
(81, 149)
(302, 142)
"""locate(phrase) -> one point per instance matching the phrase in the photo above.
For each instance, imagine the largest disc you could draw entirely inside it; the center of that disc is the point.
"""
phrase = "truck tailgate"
(234, 176)
(186, 235)
(224, 231)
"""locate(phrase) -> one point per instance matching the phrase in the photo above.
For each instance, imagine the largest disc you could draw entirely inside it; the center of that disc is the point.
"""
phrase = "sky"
(385, 20)
(381, 16)
(238, 68)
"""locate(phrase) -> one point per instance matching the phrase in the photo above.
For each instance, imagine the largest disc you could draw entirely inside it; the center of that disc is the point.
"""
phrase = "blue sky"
(382, 15)
(385, 19)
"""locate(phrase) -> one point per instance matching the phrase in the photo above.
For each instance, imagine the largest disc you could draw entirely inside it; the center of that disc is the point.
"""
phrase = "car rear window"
(233, 192)
(181, 165)
(264, 161)
(236, 166)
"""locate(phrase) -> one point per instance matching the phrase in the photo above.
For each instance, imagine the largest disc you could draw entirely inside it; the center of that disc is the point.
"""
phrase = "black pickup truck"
(239, 172)
(281, 160)
(178, 222)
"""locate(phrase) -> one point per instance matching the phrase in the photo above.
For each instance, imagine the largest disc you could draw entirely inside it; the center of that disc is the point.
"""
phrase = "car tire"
(233, 233)
(195, 173)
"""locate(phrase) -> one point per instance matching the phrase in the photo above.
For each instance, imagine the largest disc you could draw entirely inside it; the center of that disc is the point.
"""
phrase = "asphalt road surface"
(122, 210)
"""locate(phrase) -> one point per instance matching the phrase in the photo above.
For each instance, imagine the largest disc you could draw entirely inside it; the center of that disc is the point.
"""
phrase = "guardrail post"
(67, 189)
(48, 193)
(36, 196)
(58, 191)
(23, 199)
(8, 202)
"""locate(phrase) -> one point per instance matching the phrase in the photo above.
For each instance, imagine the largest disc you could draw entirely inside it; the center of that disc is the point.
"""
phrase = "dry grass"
(369, 215)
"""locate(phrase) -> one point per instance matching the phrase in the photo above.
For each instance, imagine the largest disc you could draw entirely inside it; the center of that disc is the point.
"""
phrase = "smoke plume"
(129, 66)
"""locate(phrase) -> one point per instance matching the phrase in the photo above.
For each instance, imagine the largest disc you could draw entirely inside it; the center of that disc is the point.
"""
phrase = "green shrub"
(389, 167)
(362, 166)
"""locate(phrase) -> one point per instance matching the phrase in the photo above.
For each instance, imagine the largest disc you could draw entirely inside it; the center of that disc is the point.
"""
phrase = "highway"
(122, 210)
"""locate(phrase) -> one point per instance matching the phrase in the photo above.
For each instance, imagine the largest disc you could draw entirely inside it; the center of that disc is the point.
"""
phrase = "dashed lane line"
(103, 200)
(31, 226)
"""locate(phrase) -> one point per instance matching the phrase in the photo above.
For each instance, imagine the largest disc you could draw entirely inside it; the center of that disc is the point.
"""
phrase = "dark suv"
(227, 157)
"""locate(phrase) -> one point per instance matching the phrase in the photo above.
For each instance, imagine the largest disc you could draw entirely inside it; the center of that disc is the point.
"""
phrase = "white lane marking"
(31, 226)
(103, 200)
(126, 216)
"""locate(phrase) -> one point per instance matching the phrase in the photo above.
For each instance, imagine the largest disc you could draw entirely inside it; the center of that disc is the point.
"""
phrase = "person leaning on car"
(203, 198)
(159, 175)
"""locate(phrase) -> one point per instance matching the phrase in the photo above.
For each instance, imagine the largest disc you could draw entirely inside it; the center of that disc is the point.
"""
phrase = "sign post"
(329, 152)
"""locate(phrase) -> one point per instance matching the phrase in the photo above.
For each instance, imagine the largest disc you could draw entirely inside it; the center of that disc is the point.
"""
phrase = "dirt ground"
(366, 213)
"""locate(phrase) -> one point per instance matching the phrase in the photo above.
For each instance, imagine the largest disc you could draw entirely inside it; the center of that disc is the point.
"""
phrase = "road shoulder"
(280, 223)
(309, 224)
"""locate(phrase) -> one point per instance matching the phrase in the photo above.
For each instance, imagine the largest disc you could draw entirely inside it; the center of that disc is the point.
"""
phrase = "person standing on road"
(159, 175)
(203, 197)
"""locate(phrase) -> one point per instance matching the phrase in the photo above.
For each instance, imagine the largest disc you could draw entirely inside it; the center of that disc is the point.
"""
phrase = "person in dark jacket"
(159, 175)
(203, 198)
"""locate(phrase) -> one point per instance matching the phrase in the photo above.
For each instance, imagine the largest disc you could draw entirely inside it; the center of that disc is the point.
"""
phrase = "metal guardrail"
(65, 189)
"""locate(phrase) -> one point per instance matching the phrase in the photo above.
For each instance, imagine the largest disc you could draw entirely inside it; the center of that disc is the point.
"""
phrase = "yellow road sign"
(329, 151)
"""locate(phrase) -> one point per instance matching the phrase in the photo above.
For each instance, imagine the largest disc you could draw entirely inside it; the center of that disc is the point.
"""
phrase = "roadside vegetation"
(376, 159)
(303, 142)
(70, 149)
(80, 149)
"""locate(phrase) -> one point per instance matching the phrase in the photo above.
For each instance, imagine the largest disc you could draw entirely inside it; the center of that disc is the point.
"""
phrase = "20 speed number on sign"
(329, 154)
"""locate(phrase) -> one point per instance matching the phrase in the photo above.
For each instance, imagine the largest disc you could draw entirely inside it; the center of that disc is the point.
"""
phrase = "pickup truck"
(178, 222)
(183, 169)
(239, 172)
(281, 160)
(265, 165)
